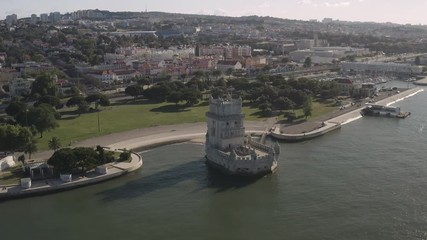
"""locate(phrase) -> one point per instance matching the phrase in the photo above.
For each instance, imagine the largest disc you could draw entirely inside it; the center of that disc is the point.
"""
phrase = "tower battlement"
(226, 145)
(225, 106)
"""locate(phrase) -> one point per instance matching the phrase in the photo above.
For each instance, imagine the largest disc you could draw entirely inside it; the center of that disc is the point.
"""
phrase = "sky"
(396, 11)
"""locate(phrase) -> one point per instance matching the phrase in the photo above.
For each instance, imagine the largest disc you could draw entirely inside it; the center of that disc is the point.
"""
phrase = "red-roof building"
(229, 64)
(347, 85)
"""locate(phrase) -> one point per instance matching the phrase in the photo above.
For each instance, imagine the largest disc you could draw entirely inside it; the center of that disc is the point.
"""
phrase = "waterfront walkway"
(54, 185)
(140, 139)
(334, 120)
(135, 140)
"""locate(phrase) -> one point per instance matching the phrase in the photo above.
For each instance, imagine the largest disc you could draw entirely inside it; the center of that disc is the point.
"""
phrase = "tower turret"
(225, 123)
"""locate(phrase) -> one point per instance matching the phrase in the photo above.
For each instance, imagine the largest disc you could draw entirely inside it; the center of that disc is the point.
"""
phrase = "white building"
(304, 44)
(34, 18)
(347, 85)
(228, 52)
(423, 60)
(229, 64)
(11, 19)
(381, 67)
(106, 76)
(44, 18)
(327, 20)
(7, 162)
(54, 17)
(227, 148)
(20, 86)
(326, 54)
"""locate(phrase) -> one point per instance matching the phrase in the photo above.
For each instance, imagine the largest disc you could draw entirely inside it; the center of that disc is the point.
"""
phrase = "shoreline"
(49, 186)
(144, 139)
(337, 122)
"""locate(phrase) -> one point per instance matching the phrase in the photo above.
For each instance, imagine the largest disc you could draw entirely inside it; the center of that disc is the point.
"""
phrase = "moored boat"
(380, 110)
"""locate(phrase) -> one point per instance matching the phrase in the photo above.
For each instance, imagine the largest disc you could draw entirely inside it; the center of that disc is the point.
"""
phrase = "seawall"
(41, 187)
(336, 122)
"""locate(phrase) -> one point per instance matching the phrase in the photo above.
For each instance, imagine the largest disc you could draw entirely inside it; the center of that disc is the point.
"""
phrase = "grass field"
(12, 176)
(73, 128)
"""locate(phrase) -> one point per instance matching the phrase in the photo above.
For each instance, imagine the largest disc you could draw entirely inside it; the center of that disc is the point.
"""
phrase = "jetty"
(28, 187)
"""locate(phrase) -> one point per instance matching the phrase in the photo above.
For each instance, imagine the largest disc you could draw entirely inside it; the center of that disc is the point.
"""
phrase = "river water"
(365, 181)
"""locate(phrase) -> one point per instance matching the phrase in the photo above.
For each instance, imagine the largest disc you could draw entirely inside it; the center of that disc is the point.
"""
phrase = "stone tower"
(225, 124)
(227, 148)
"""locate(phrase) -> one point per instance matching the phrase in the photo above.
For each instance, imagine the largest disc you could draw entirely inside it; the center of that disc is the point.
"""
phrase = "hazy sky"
(398, 11)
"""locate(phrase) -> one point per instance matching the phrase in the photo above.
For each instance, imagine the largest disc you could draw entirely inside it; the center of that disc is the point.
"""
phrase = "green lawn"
(126, 117)
(322, 108)
(131, 116)
(12, 176)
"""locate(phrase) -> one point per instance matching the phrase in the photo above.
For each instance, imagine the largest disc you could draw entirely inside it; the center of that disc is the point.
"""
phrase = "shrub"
(124, 155)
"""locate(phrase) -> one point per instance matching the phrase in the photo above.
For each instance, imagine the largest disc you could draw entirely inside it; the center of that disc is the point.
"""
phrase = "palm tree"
(54, 144)
(30, 148)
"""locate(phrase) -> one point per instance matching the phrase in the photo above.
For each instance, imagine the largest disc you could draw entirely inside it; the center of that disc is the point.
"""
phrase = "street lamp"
(99, 125)
(26, 124)
(26, 117)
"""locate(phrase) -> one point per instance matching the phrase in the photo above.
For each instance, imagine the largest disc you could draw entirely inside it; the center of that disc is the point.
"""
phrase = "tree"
(125, 155)
(216, 73)
(299, 97)
(307, 62)
(101, 154)
(218, 92)
(265, 107)
(198, 74)
(144, 81)
(75, 101)
(183, 76)
(285, 60)
(329, 89)
(134, 90)
(307, 108)
(191, 96)
(221, 83)
(98, 98)
(417, 61)
(229, 71)
(16, 108)
(175, 97)
(48, 99)
(44, 84)
(54, 143)
(157, 93)
(283, 103)
(21, 159)
(31, 147)
(38, 57)
(73, 91)
(83, 107)
(85, 158)
(43, 117)
(6, 87)
(14, 137)
(63, 160)
(79, 159)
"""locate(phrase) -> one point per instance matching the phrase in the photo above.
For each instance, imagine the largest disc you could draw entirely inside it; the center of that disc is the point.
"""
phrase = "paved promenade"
(144, 138)
(148, 137)
(133, 140)
(54, 185)
(333, 120)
